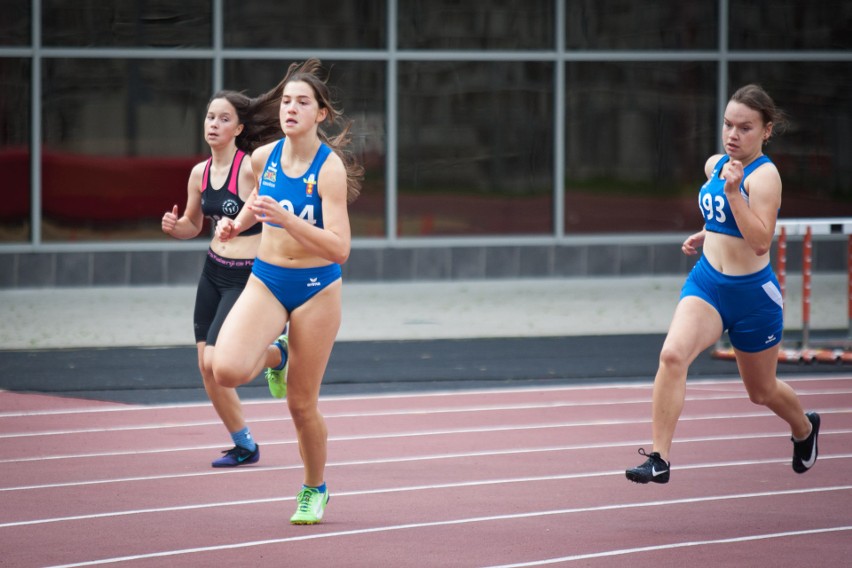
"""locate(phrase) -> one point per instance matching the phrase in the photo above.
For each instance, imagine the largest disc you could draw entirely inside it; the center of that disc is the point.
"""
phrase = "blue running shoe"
(237, 456)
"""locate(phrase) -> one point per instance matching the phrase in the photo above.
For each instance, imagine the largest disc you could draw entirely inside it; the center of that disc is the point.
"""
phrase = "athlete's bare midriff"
(280, 248)
(238, 247)
(732, 255)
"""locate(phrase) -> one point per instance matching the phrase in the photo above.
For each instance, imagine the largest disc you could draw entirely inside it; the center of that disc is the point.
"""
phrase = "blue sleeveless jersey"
(714, 204)
(298, 195)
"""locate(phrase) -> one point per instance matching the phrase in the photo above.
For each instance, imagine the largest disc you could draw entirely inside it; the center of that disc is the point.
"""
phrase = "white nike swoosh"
(810, 462)
(655, 473)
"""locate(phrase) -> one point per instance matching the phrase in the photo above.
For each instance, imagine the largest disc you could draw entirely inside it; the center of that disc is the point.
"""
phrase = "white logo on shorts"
(313, 282)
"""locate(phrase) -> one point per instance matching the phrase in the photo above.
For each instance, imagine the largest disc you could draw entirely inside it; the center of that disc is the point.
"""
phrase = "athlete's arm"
(756, 218)
(696, 240)
(250, 169)
(693, 242)
(188, 225)
(710, 164)
(248, 192)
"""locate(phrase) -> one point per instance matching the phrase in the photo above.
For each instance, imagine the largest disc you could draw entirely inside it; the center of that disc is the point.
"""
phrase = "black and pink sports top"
(219, 203)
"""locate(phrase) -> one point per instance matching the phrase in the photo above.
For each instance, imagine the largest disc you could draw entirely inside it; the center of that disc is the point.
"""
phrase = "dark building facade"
(541, 138)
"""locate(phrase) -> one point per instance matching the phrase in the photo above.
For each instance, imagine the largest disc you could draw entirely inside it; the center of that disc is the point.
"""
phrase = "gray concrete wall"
(376, 264)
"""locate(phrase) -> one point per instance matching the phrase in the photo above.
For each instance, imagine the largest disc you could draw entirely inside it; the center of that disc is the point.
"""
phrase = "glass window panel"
(359, 89)
(15, 149)
(324, 24)
(813, 154)
(15, 22)
(487, 24)
(127, 23)
(475, 148)
(790, 24)
(637, 136)
(119, 146)
(652, 24)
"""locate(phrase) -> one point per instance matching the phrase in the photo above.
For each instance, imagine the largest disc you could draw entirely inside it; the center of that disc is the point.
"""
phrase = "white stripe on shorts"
(774, 293)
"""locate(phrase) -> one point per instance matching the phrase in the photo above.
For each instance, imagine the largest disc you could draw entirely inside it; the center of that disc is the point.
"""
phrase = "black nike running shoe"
(805, 452)
(654, 469)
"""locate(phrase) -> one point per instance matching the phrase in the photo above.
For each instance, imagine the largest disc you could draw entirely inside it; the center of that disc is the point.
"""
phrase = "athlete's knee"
(228, 374)
(206, 373)
(302, 411)
(205, 365)
(673, 358)
(761, 394)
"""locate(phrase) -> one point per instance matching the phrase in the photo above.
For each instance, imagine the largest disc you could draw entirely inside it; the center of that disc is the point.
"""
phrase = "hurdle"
(808, 349)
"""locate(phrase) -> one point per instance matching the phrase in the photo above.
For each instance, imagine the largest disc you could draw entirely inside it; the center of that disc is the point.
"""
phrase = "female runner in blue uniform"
(732, 287)
(305, 181)
(217, 188)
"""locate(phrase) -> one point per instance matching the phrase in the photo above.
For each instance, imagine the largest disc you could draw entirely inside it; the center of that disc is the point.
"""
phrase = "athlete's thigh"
(206, 302)
(254, 322)
(226, 302)
(758, 370)
(313, 329)
(696, 325)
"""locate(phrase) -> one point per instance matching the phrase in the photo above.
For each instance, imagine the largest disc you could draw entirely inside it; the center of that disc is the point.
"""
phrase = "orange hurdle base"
(796, 355)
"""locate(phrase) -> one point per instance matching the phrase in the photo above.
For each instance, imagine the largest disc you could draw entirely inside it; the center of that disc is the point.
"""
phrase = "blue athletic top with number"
(298, 195)
(714, 204)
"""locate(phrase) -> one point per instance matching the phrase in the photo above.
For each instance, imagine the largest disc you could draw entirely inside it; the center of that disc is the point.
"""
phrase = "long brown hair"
(259, 117)
(310, 72)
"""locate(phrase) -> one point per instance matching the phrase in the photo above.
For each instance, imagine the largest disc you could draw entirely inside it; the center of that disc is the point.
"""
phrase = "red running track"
(466, 478)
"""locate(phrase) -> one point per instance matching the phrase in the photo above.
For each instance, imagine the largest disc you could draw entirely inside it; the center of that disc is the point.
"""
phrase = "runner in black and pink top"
(218, 187)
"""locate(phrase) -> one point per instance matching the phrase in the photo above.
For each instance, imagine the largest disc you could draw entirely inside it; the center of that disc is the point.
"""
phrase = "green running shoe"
(277, 379)
(311, 506)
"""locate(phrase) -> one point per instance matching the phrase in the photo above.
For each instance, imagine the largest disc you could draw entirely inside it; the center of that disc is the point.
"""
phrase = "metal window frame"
(392, 57)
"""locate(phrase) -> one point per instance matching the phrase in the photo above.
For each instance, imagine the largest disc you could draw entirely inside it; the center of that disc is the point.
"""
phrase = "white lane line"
(693, 383)
(386, 490)
(364, 462)
(136, 428)
(409, 434)
(675, 545)
(399, 412)
(451, 522)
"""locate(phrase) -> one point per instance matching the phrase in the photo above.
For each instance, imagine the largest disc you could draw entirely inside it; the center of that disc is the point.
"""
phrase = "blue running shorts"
(295, 286)
(751, 305)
